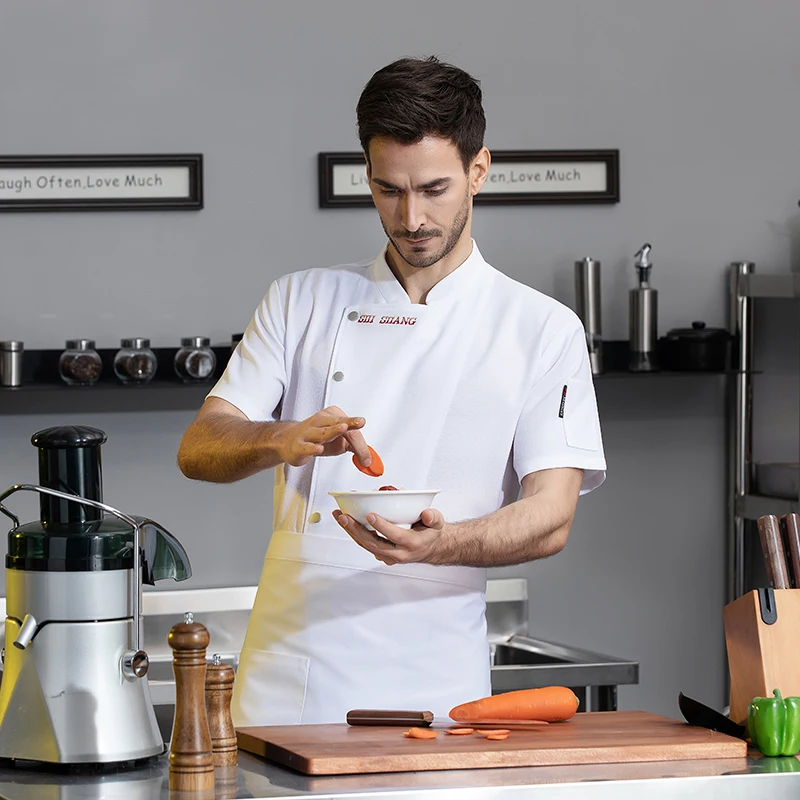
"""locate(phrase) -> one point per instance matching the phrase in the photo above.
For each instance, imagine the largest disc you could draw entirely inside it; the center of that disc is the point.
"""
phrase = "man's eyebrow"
(437, 182)
(424, 186)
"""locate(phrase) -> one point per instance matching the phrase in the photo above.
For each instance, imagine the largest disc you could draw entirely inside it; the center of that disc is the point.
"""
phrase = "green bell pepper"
(774, 724)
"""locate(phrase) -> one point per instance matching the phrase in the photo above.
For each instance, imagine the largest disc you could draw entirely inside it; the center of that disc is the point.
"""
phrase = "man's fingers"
(374, 541)
(333, 415)
(357, 444)
(326, 433)
(432, 518)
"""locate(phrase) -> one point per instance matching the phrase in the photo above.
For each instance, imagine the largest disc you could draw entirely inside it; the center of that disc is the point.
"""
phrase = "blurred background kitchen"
(701, 101)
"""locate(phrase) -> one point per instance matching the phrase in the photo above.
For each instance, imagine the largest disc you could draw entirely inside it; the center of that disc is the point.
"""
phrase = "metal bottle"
(643, 317)
(587, 306)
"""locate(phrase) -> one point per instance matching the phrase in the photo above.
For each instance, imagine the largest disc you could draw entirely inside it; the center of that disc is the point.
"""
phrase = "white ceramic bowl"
(403, 507)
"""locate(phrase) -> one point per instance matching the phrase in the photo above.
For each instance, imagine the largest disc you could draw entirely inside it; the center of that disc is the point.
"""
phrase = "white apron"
(444, 388)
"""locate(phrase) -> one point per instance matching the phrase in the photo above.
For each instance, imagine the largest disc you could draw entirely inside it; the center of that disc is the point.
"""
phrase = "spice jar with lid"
(80, 364)
(135, 362)
(195, 361)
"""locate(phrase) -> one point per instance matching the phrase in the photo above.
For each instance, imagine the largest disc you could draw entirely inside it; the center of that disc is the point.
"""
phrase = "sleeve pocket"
(270, 688)
(581, 425)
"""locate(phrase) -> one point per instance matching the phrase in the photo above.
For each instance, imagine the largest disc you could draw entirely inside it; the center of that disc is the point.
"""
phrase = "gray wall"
(701, 100)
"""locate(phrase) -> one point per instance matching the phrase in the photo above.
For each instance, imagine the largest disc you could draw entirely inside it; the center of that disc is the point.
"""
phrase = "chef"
(459, 377)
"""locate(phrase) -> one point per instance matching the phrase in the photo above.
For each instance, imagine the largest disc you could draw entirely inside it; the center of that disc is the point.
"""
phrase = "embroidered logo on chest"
(370, 319)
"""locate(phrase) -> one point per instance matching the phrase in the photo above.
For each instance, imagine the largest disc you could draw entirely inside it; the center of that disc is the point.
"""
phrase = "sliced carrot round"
(459, 731)
(375, 469)
(420, 733)
(498, 736)
(490, 731)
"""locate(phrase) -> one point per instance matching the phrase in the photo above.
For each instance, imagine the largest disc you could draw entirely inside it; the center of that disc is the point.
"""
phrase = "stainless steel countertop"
(731, 779)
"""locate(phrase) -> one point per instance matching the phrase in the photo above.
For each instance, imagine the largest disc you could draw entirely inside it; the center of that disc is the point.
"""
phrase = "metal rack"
(745, 505)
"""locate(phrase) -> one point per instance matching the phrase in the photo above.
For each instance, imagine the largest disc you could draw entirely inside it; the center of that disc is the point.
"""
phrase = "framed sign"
(515, 176)
(101, 183)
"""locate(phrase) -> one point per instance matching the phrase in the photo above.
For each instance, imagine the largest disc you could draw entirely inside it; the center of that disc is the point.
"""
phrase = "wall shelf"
(43, 392)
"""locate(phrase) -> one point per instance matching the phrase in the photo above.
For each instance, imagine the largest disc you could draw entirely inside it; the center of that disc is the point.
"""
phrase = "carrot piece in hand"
(420, 733)
(375, 469)
(549, 704)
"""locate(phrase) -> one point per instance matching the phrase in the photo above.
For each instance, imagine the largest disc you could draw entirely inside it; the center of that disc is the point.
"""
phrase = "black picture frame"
(58, 178)
(529, 192)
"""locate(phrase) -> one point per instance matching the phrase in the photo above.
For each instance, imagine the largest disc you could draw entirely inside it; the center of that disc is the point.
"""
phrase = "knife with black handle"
(380, 716)
(772, 547)
(790, 527)
(696, 713)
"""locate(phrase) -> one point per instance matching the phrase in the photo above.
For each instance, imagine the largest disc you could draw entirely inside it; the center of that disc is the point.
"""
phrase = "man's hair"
(412, 98)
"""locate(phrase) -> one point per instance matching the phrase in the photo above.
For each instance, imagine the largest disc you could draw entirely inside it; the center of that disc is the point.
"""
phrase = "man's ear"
(479, 170)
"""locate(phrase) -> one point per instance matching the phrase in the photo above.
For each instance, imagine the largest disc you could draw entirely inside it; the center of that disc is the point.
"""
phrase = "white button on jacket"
(485, 383)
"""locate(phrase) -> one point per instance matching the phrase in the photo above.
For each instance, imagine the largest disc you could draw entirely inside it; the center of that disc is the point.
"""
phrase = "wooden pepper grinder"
(219, 690)
(191, 765)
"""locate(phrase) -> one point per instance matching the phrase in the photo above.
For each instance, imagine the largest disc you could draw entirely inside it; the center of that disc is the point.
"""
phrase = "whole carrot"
(550, 703)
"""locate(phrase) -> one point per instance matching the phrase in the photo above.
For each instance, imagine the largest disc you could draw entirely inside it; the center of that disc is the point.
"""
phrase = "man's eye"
(435, 192)
(389, 192)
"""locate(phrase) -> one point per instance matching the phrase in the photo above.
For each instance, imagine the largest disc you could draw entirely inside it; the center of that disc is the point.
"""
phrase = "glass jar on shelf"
(80, 364)
(135, 362)
(195, 361)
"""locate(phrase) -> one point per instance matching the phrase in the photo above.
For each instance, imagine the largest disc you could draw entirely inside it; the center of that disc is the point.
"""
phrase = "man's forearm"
(531, 528)
(222, 449)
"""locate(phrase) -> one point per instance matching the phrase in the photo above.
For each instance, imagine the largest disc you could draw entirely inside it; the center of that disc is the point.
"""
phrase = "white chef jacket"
(486, 382)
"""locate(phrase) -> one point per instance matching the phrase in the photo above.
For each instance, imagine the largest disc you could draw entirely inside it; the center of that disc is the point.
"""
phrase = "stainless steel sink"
(521, 662)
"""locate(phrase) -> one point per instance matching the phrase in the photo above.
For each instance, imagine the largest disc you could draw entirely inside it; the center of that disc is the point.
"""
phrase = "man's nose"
(411, 209)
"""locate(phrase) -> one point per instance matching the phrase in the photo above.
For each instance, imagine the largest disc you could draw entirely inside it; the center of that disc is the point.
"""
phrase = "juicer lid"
(68, 436)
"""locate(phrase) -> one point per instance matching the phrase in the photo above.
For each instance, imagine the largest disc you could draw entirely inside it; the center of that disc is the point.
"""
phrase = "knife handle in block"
(772, 546)
(790, 525)
(376, 716)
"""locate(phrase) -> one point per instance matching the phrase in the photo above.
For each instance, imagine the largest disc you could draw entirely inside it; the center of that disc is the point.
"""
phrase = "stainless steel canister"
(587, 298)
(11, 354)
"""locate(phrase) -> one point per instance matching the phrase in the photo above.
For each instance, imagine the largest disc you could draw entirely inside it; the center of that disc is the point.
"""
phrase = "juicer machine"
(74, 687)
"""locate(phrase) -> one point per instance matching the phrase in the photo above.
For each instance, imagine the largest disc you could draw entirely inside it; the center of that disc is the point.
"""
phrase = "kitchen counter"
(732, 779)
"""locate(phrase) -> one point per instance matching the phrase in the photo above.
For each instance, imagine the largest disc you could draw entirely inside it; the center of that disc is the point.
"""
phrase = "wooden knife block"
(762, 657)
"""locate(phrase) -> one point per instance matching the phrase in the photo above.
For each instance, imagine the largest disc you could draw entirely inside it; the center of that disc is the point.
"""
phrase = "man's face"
(423, 197)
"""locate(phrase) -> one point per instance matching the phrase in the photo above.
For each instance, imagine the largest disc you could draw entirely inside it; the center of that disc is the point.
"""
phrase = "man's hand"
(535, 526)
(222, 445)
(329, 432)
(393, 545)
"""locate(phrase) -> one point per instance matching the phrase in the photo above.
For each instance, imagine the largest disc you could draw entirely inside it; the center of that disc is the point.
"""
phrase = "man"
(462, 379)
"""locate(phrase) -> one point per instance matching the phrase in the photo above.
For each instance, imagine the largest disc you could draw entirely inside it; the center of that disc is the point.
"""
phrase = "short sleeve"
(559, 425)
(255, 378)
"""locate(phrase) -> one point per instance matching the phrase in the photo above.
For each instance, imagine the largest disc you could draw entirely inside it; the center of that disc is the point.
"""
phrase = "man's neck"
(418, 281)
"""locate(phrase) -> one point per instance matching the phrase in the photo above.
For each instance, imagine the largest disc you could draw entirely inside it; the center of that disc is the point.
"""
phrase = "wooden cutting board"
(599, 737)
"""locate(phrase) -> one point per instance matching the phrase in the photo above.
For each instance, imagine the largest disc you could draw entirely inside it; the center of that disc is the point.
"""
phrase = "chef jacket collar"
(448, 287)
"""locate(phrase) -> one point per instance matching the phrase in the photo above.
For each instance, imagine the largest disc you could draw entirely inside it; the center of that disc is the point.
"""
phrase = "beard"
(450, 239)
